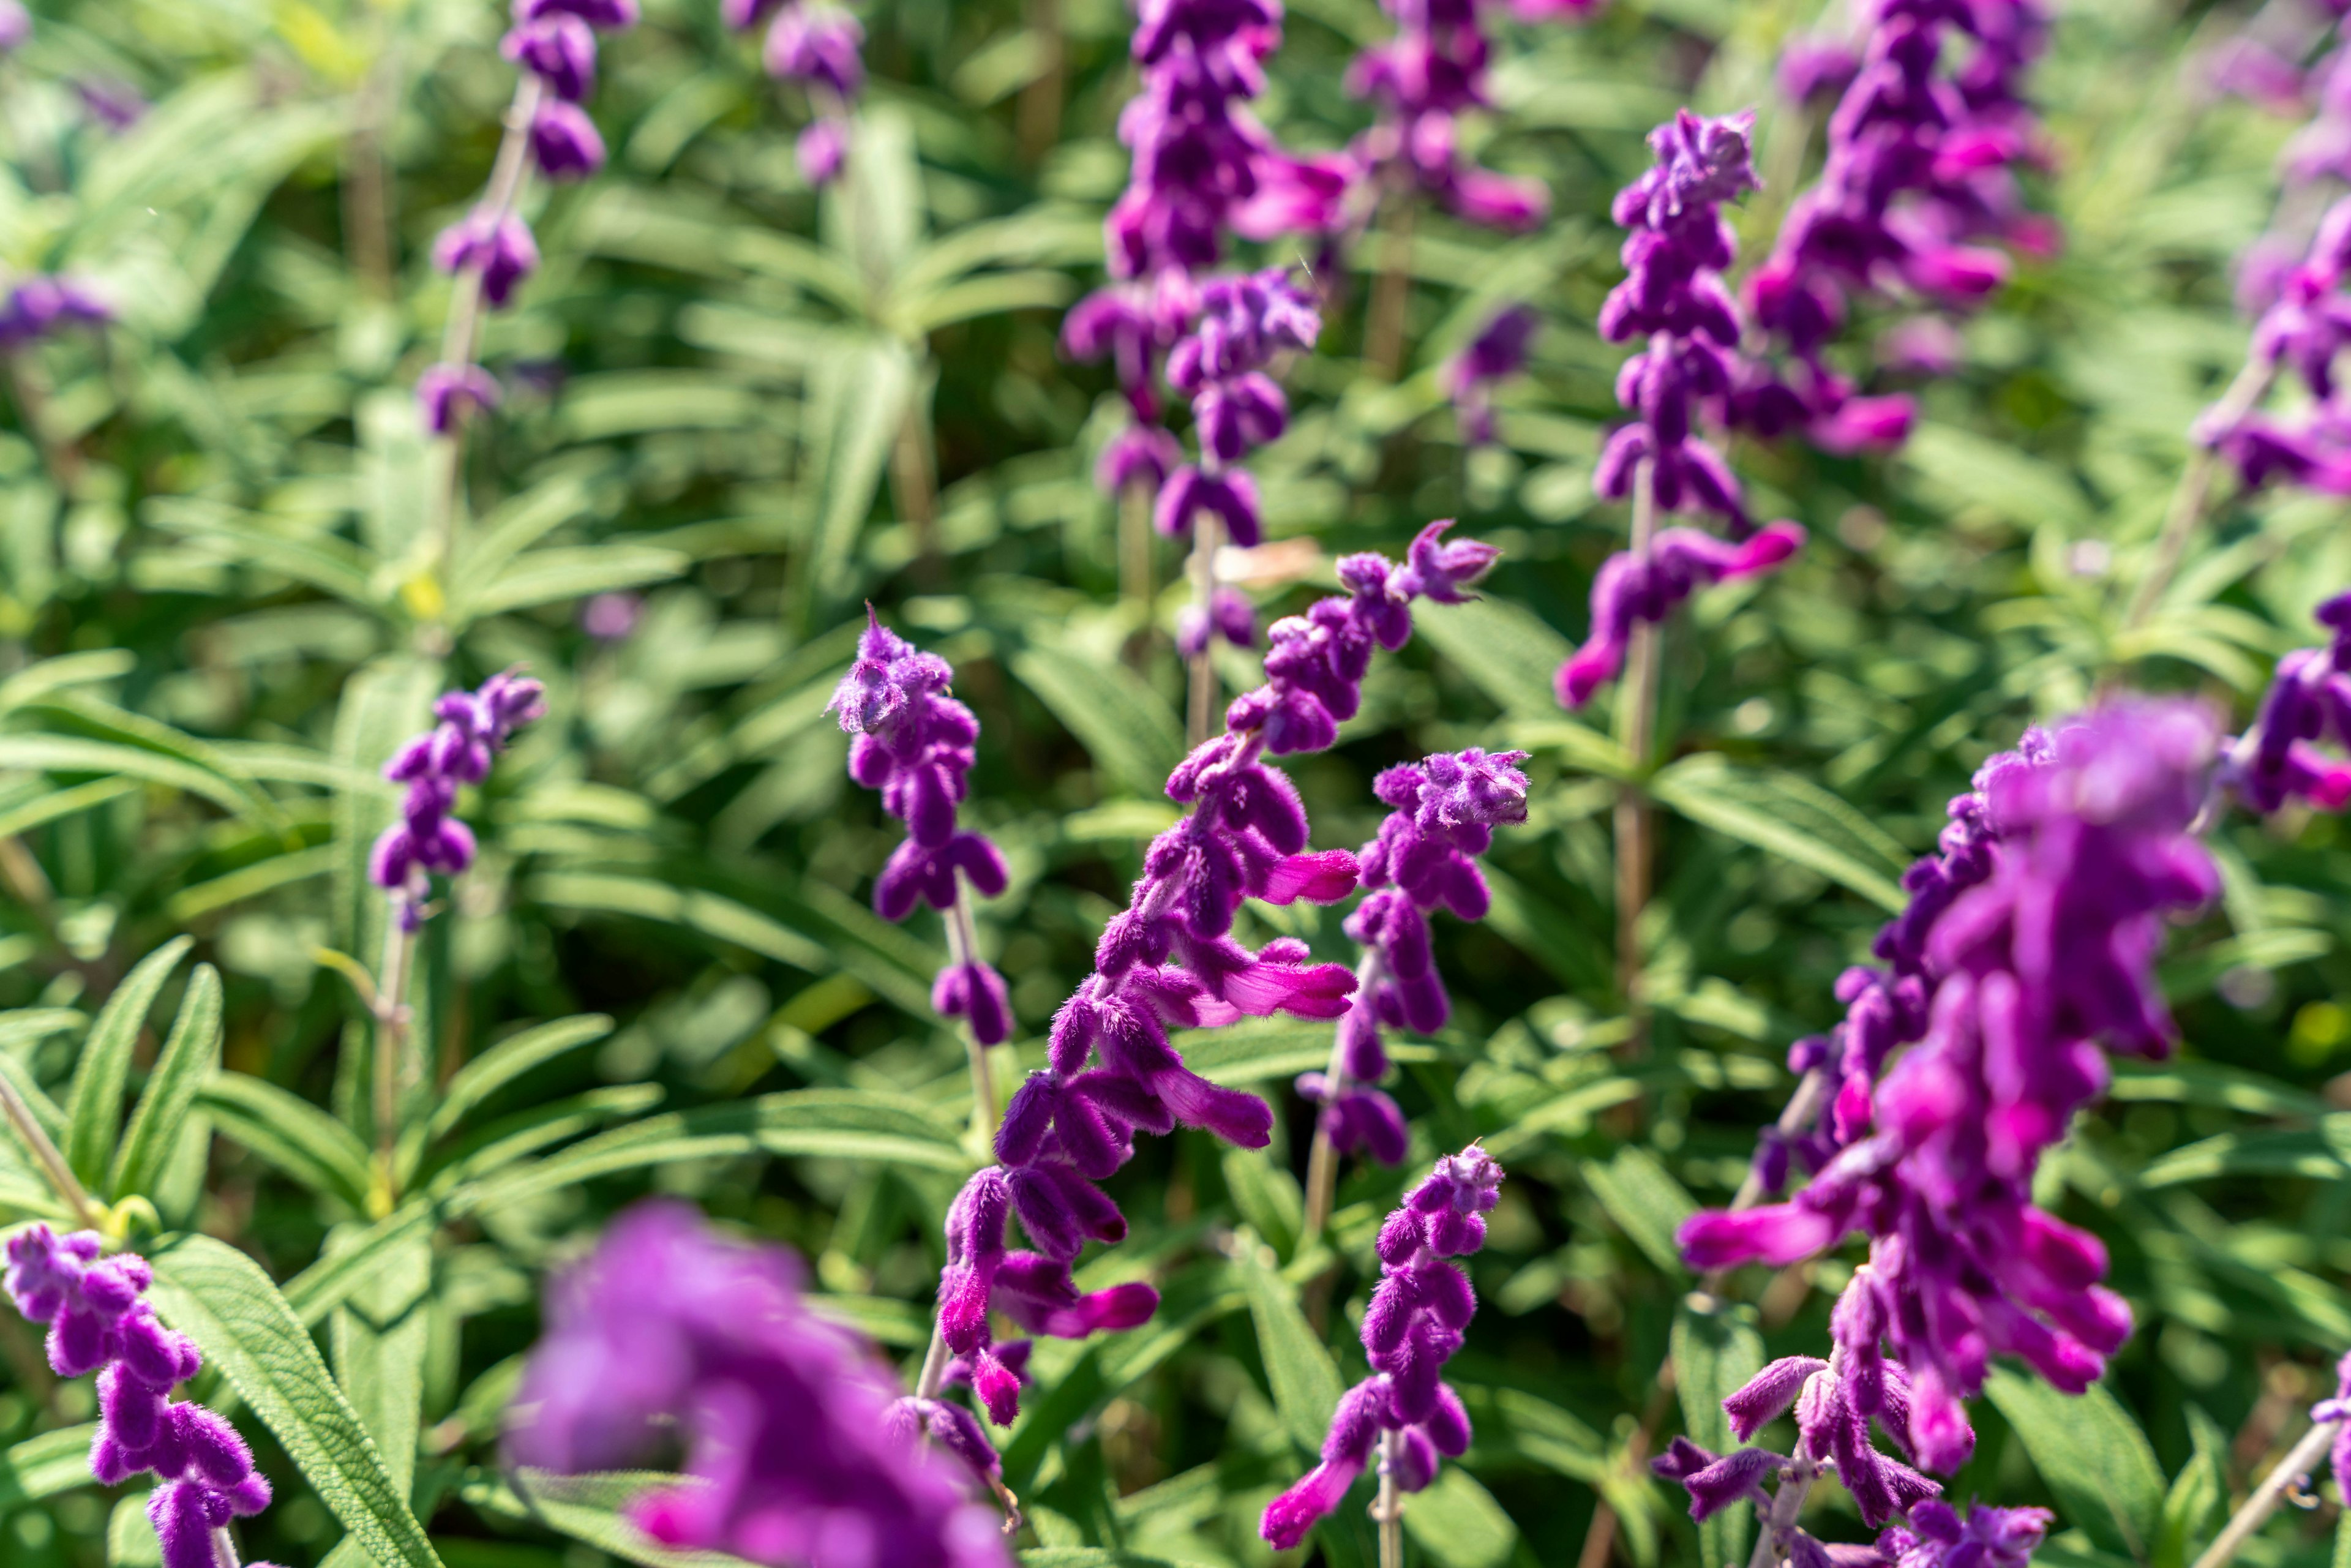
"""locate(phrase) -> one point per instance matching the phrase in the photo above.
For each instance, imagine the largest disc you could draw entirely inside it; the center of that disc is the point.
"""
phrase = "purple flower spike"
(474, 726)
(2026, 954)
(796, 1435)
(1498, 353)
(1411, 1329)
(99, 1320)
(915, 745)
(561, 50)
(1630, 589)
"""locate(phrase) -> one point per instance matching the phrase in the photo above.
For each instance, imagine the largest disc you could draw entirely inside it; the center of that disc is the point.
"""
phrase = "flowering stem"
(390, 1006)
(1038, 118)
(2195, 488)
(1323, 1162)
(1387, 1509)
(1134, 563)
(963, 949)
(1802, 1107)
(2257, 1508)
(1636, 724)
(51, 1160)
(1786, 1504)
(460, 337)
(224, 1548)
(1207, 534)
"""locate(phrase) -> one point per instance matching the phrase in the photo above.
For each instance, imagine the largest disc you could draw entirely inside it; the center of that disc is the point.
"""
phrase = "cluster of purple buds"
(99, 1320)
(1921, 159)
(1424, 79)
(474, 728)
(2309, 700)
(1411, 1330)
(1632, 588)
(1170, 960)
(2268, 71)
(915, 744)
(41, 305)
(2305, 325)
(2037, 970)
(1498, 353)
(800, 1447)
(1446, 809)
(816, 45)
(554, 43)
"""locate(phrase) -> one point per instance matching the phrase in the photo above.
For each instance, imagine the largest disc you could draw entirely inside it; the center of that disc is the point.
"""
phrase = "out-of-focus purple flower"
(797, 1443)
(1169, 961)
(1141, 458)
(564, 142)
(1922, 345)
(99, 1320)
(447, 393)
(2338, 1408)
(2305, 325)
(1936, 1537)
(607, 15)
(1227, 614)
(498, 245)
(1445, 811)
(1632, 588)
(2249, 69)
(821, 150)
(611, 617)
(2038, 967)
(37, 305)
(1498, 353)
(817, 45)
(15, 25)
(1815, 70)
(474, 728)
(1244, 323)
(1411, 1329)
(559, 49)
(2309, 701)
(915, 745)
(112, 101)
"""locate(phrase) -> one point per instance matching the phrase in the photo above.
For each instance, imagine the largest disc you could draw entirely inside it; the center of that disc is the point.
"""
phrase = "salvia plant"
(873, 784)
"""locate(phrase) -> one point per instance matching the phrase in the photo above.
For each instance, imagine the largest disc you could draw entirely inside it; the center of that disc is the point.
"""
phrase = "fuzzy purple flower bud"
(561, 50)
(447, 393)
(39, 306)
(1498, 353)
(473, 727)
(496, 244)
(564, 141)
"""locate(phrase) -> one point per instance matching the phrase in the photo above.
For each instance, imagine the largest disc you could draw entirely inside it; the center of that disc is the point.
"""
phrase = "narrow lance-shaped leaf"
(190, 1056)
(94, 1113)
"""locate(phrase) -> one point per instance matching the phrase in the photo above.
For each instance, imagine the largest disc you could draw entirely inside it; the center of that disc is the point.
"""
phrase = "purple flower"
(816, 45)
(1244, 324)
(2308, 701)
(444, 393)
(2305, 323)
(611, 617)
(1169, 962)
(606, 15)
(112, 101)
(915, 744)
(559, 49)
(473, 727)
(99, 1320)
(821, 150)
(496, 244)
(1227, 614)
(797, 1437)
(1411, 1328)
(42, 304)
(1936, 1537)
(564, 141)
(1631, 589)
(1498, 353)
(2043, 920)
(15, 25)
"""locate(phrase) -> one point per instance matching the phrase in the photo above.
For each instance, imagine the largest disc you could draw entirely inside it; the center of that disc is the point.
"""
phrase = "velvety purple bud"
(78, 1344)
(1027, 1119)
(1288, 1517)
(1777, 1234)
(444, 393)
(1767, 1396)
(561, 50)
(821, 150)
(816, 43)
(975, 993)
(497, 246)
(131, 1408)
(1141, 456)
(1444, 1290)
(176, 1509)
(1230, 496)
(1237, 1117)
(1412, 1461)
(1734, 1478)
(608, 15)
(215, 1449)
(248, 1496)
(1440, 569)
(565, 142)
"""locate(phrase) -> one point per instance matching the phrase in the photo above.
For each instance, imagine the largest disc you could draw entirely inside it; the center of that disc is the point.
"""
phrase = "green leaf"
(2198, 1495)
(1716, 1349)
(379, 1338)
(94, 1113)
(45, 1466)
(104, 722)
(62, 803)
(587, 1508)
(289, 1131)
(1298, 1366)
(2322, 1153)
(2097, 1462)
(1458, 1522)
(324, 561)
(332, 1279)
(221, 1299)
(484, 1151)
(1268, 1196)
(190, 1057)
(505, 1062)
(857, 405)
(1135, 738)
(1789, 817)
(1644, 1200)
(544, 576)
(1507, 652)
(131, 1536)
(73, 754)
(37, 680)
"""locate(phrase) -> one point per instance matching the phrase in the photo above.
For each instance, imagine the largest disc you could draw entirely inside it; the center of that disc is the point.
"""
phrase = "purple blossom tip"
(564, 141)
(496, 244)
(473, 727)
(447, 393)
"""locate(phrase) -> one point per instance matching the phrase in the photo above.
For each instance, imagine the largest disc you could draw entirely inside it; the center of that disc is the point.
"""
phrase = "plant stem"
(391, 1010)
(1384, 325)
(2258, 1507)
(1636, 726)
(1207, 535)
(61, 458)
(224, 1548)
(916, 492)
(1323, 1161)
(461, 335)
(2194, 489)
(1387, 1509)
(1038, 120)
(1135, 565)
(962, 947)
(1786, 1504)
(51, 1160)
(1798, 1114)
(369, 236)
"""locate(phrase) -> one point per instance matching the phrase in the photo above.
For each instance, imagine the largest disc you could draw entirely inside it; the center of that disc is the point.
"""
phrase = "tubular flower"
(2036, 969)
(474, 727)
(1202, 166)
(1411, 1329)
(1423, 79)
(2305, 325)
(1170, 960)
(2309, 700)
(39, 306)
(99, 1320)
(795, 1433)
(816, 45)
(1673, 296)
(1446, 808)
(1498, 353)
(914, 745)
(1921, 154)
